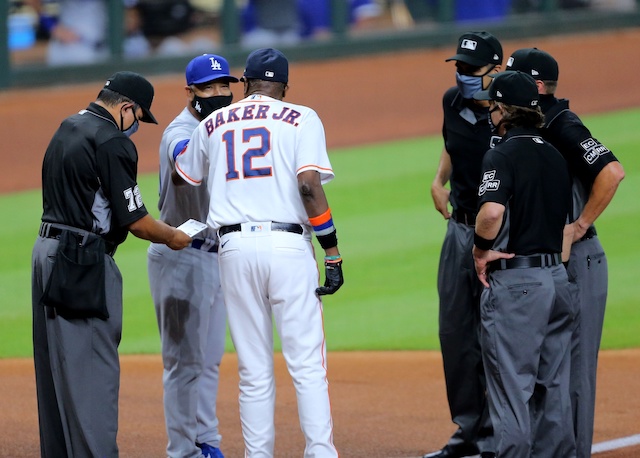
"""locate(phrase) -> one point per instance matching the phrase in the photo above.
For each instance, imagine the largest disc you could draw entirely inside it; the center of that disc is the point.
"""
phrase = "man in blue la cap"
(186, 288)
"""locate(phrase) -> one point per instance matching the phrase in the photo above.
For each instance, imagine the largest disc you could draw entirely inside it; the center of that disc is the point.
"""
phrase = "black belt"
(204, 245)
(53, 231)
(522, 262)
(591, 233)
(284, 227)
(464, 217)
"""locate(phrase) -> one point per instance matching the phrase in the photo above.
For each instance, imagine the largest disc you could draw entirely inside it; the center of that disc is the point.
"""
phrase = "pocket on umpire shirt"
(76, 286)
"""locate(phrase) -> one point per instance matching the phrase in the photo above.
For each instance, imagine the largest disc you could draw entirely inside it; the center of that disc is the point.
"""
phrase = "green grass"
(390, 238)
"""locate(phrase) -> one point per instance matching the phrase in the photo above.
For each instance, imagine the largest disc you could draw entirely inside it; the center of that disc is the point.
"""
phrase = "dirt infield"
(385, 404)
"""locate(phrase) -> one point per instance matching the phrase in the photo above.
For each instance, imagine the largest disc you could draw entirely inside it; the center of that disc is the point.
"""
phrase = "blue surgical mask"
(468, 85)
(133, 129)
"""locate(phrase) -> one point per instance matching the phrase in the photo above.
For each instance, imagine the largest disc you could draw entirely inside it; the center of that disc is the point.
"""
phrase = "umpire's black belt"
(591, 233)
(523, 262)
(464, 217)
(284, 227)
(54, 231)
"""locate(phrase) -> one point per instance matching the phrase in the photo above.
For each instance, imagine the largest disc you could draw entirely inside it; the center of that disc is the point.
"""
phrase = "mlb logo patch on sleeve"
(593, 150)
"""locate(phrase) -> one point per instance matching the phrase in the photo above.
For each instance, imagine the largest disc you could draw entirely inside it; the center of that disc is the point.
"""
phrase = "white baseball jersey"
(245, 150)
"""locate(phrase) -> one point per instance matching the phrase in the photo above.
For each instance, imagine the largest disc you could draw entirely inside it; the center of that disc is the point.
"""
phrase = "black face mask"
(494, 127)
(207, 105)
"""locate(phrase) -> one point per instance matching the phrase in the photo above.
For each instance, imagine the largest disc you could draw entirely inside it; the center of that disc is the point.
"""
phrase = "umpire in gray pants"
(526, 307)
(91, 201)
(596, 174)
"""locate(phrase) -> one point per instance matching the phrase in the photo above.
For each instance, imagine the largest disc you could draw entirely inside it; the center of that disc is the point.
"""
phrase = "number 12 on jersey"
(247, 153)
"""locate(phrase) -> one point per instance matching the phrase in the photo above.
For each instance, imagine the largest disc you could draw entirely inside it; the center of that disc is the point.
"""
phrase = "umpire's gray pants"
(186, 291)
(588, 270)
(459, 329)
(77, 368)
(527, 321)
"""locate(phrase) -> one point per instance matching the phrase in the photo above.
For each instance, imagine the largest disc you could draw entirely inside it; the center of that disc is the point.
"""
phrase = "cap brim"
(468, 60)
(147, 116)
(482, 95)
(230, 78)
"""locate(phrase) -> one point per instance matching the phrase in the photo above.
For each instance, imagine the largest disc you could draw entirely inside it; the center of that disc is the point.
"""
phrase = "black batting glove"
(333, 277)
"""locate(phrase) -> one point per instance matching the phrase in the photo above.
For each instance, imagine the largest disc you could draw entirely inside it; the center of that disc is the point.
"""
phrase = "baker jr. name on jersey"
(249, 112)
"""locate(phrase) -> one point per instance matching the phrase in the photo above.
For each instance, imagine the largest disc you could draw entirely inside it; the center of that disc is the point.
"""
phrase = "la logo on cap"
(498, 94)
(215, 65)
(469, 44)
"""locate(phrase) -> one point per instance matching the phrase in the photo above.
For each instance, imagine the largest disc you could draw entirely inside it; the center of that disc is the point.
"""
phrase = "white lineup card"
(191, 227)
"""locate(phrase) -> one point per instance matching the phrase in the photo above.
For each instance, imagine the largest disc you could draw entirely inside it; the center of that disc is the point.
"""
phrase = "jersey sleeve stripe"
(314, 167)
(180, 147)
(187, 177)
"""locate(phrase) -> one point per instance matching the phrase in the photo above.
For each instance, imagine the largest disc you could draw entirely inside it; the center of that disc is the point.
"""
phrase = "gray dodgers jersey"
(179, 203)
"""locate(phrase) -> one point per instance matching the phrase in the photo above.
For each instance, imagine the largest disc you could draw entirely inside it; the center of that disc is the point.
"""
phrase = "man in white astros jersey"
(265, 161)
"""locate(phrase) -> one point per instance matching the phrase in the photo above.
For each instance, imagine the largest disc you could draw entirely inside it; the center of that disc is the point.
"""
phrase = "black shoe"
(487, 455)
(454, 451)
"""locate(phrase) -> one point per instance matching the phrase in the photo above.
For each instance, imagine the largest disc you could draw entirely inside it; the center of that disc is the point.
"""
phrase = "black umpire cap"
(478, 49)
(136, 88)
(511, 88)
(535, 62)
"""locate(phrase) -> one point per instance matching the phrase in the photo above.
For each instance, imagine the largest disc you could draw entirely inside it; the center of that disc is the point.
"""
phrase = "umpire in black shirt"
(596, 174)
(91, 201)
(526, 308)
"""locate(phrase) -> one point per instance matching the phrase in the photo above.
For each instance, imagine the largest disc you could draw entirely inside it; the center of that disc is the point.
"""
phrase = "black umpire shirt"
(529, 177)
(585, 155)
(89, 176)
(467, 136)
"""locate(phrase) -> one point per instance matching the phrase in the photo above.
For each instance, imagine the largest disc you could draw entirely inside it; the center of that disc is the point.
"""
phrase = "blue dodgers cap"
(511, 88)
(267, 64)
(208, 67)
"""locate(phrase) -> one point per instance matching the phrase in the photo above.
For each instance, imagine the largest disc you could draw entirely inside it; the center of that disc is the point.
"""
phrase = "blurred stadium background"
(154, 36)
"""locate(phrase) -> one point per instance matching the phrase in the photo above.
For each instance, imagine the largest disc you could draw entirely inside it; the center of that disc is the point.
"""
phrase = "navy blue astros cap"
(478, 49)
(208, 67)
(535, 62)
(136, 88)
(267, 64)
(511, 88)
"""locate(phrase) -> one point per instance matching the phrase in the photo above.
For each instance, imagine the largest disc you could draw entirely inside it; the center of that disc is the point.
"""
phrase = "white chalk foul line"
(615, 444)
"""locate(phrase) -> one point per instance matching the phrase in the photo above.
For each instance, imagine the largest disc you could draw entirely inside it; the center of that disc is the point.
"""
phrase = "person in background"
(78, 32)
(270, 23)
(315, 16)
